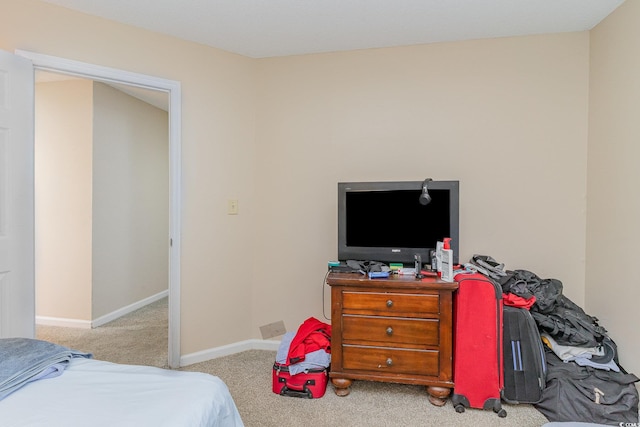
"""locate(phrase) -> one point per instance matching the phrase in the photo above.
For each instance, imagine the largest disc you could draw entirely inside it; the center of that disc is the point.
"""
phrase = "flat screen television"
(385, 221)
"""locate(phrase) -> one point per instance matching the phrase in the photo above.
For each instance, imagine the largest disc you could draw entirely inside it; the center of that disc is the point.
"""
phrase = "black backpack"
(568, 324)
(553, 312)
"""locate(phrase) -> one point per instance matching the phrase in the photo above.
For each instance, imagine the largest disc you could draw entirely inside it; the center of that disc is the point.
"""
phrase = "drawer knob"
(389, 303)
(389, 331)
(389, 362)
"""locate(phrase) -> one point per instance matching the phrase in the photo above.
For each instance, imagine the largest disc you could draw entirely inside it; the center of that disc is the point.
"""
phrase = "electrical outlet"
(274, 329)
(232, 207)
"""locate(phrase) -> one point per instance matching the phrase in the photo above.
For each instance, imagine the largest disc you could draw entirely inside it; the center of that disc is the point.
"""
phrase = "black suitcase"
(524, 360)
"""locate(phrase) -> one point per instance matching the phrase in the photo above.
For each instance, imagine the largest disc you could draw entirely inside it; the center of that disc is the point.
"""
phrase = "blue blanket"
(23, 360)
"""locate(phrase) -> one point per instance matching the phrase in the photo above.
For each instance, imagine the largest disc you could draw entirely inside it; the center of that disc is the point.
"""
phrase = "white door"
(17, 286)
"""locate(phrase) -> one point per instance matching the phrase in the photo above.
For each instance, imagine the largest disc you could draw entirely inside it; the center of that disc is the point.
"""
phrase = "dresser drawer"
(392, 361)
(391, 304)
(391, 331)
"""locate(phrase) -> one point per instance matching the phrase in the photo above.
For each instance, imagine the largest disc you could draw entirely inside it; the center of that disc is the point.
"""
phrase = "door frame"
(173, 88)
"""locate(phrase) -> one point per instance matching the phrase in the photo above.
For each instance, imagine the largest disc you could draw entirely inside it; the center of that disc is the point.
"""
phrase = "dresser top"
(430, 281)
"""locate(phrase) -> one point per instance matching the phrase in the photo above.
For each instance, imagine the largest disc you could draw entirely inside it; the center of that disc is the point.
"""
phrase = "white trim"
(102, 320)
(226, 350)
(61, 321)
(173, 88)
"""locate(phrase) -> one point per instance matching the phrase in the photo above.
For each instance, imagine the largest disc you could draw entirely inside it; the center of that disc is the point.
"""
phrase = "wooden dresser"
(397, 329)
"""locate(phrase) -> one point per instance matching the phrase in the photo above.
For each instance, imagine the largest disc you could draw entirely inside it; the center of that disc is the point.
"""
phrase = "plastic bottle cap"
(446, 243)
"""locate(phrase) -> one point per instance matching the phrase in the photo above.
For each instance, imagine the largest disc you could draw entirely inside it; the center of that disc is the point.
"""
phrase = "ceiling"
(270, 28)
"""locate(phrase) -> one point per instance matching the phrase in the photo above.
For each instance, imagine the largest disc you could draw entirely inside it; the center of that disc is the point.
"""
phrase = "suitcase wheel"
(496, 405)
(498, 409)
(459, 402)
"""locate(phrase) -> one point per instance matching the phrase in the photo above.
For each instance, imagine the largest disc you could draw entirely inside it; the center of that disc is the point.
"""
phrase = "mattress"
(97, 393)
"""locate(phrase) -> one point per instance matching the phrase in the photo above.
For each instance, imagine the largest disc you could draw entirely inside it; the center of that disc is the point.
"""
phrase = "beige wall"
(130, 200)
(506, 117)
(218, 110)
(613, 227)
(102, 200)
(63, 150)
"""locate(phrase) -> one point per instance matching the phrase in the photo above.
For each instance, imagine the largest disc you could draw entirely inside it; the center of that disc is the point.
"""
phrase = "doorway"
(101, 210)
(172, 88)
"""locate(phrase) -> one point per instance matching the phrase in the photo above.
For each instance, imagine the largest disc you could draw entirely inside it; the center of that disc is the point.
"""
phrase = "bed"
(81, 391)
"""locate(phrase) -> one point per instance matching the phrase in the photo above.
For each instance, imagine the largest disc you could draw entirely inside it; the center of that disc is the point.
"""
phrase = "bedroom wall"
(506, 117)
(130, 200)
(613, 205)
(63, 151)
(218, 116)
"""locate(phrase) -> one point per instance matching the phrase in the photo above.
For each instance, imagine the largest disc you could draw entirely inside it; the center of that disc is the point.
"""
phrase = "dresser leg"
(438, 395)
(341, 386)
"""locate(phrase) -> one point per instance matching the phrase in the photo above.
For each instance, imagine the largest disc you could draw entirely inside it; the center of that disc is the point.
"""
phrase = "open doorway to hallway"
(102, 204)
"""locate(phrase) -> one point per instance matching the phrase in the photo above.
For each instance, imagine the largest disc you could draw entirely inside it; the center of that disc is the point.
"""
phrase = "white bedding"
(97, 393)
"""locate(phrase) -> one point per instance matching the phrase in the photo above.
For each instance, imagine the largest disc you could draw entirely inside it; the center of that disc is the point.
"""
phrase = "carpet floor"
(141, 338)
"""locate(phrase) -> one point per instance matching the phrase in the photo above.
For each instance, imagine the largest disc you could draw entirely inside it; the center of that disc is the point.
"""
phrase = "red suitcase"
(477, 346)
(310, 384)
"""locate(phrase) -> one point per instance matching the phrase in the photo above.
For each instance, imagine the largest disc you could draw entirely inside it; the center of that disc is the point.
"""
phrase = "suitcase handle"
(296, 390)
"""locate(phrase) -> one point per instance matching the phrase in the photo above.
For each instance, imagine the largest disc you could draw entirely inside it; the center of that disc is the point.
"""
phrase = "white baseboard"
(128, 309)
(59, 321)
(88, 324)
(226, 350)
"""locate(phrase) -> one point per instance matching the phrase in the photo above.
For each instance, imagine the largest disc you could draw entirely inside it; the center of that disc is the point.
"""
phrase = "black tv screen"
(385, 221)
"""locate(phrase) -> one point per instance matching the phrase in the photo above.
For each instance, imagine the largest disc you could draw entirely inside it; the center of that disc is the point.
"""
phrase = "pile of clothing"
(306, 349)
(565, 328)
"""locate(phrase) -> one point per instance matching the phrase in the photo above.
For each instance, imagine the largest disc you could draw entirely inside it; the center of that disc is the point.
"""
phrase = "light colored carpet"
(248, 376)
(140, 338)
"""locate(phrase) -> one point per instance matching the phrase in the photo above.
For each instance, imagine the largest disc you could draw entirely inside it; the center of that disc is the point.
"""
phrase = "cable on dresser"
(324, 282)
